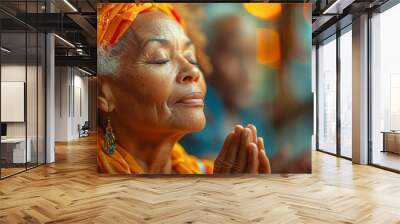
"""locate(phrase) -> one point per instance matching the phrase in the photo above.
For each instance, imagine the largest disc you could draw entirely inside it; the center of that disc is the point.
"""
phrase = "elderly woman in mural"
(151, 91)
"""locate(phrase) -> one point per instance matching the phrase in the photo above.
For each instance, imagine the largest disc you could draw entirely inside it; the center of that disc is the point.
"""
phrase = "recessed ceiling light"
(84, 71)
(5, 50)
(70, 5)
(337, 7)
(65, 41)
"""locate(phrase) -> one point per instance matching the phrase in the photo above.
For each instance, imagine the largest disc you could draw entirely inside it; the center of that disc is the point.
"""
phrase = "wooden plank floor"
(71, 191)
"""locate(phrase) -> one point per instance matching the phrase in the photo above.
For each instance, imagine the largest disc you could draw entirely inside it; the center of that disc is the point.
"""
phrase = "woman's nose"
(188, 73)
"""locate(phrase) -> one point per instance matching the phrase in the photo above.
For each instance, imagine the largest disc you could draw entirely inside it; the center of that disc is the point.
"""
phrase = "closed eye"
(193, 62)
(158, 62)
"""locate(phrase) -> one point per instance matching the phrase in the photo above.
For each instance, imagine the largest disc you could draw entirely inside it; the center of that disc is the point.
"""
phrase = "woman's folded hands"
(242, 152)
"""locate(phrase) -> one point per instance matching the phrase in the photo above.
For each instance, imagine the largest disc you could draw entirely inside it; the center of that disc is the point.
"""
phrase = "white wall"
(61, 103)
(11, 73)
(33, 127)
(16, 73)
(71, 93)
(80, 110)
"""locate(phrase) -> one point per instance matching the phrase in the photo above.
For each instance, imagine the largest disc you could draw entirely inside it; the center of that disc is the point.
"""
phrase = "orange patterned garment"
(114, 19)
(121, 162)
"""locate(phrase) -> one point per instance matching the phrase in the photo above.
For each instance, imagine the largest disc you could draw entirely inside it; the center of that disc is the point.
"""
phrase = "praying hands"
(242, 152)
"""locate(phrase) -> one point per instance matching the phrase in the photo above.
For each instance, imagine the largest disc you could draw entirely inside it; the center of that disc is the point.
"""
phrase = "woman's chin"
(192, 121)
(196, 125)
(199, 126)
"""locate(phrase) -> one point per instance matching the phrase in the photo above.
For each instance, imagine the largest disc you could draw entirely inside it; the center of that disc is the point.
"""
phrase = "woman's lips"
(193, 99)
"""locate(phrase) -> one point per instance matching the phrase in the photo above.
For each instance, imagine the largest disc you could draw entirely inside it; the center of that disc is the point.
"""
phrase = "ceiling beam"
(81, 61)
(337, 7)
(84, 24)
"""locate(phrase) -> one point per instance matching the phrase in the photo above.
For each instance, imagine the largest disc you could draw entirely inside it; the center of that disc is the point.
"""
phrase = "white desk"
(17, 147)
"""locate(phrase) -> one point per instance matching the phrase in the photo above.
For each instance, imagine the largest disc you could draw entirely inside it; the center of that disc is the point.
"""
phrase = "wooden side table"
(391, 141)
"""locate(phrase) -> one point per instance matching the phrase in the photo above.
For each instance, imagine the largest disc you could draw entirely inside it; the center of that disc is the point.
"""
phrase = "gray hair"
(108, 60)
(107, 64)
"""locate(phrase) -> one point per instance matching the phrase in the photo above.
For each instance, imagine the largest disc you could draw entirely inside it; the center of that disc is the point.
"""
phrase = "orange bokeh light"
(265, 11)
(268, 46)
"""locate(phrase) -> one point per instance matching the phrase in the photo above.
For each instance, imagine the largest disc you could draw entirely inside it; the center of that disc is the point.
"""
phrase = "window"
(22, 66)
(346, 93)
(385, 89)
(327, 96)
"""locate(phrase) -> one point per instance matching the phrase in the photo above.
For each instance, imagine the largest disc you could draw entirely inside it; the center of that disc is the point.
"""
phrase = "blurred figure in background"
(231, 87)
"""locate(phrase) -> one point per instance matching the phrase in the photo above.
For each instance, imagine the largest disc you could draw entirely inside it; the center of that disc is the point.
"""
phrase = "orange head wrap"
(114, 19)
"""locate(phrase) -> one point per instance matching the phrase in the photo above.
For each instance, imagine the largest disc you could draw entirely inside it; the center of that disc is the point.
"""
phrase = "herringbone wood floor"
(71, 191)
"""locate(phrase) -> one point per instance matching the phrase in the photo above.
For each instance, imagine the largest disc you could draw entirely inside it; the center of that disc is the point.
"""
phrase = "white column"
(50, 92)
(50, 99)
(360, 89)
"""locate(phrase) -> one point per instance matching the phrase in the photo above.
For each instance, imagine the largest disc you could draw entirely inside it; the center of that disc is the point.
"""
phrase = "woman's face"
(159, 86)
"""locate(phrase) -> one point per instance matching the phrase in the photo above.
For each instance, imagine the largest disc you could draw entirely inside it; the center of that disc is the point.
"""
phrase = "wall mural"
(212, 88)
